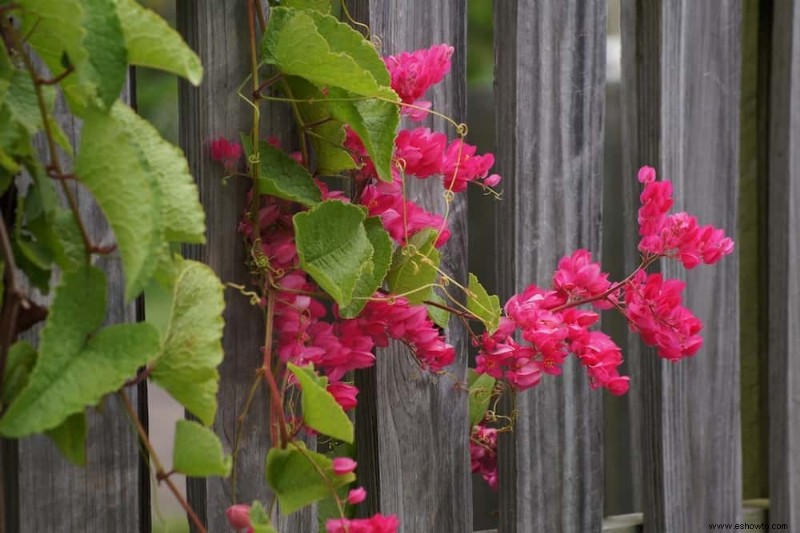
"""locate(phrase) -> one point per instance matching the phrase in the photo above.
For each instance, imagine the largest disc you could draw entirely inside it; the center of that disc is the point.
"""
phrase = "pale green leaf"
(182, 215)
(484, 306)
(19, 362)
(375, 122)
(440, 317)
(198, 452)
(70, 438)
(371, 279)
(320, 410)
(324, 51)
(151, 42)
(294, 476)
(127, 194)
(280, 175)
(22, 103)
(333, 247)
(259, 519)
(105, 44)
(192, 347)
(77, 365)
(481, 389)
(414, 268)
(323, 6)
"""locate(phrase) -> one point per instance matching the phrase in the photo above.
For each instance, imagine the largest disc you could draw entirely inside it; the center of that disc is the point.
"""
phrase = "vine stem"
(11, 303)
(161, 473)
(277, 416)
(237, 439)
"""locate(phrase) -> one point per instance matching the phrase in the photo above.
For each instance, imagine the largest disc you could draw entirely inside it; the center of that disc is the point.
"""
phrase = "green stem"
(237, 439)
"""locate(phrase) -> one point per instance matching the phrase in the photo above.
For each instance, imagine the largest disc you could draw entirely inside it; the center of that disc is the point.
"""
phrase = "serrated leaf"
(77, 365)
(198, 451)
(320, 410)
(151, 42)
(105, 44)
(333, 247)
(375, 122)
(323, 6)
(294, 476)
(371, 279)
(192, 349)
(440, 316)
(126, 193)
(484, 306)
(281, 176)
(182, 215)
(20, 361)
(324, 51)
(481, 388)
(414, 267)
(70, 438)
(259, 519)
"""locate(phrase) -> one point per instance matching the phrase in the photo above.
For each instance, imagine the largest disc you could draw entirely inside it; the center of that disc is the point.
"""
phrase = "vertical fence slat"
(217, 31)
(422, 439)
(550, 94)
(681, 88)
(106, 494)
(783, 260)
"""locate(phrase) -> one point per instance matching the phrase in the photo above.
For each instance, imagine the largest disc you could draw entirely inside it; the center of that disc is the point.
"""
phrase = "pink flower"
(462, 166)
(225, 152)
(375, 524)
(238, 516)
(578, 277)
(420, 151)
(412, 73)
(343, 465)
(356, 496)
(344, 394)
(483, 453)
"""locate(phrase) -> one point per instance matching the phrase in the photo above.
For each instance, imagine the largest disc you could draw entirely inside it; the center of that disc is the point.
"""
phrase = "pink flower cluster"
(374, 524)
(483, 453)
(226, 153)
(677, 235)
(413, 73)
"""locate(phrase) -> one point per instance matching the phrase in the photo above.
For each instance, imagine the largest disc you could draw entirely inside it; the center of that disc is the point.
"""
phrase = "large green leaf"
(70, 438)
(280, 175)
(295, 474)
(372, 278)
(414, 268)
(320, 410)
(375, 122)
(324, 51)
(333, 247)
(484, 306)
(182, 216)
(19, 362)
(105, 44)
(151, 42)
(481, 389)
(192, 347)
(110, 166)
(323, 6)
(198, 452)
(77, 365)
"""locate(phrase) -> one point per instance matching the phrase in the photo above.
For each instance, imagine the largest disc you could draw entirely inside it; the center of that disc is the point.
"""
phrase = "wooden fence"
(710, 95)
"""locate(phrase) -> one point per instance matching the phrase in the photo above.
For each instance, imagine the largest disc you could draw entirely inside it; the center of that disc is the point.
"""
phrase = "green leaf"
(375, 122)
(320, 409)
(371, 279)
(259, 519)
(77, 365)
(439, 316)
(127, 194)
(414, 267)
(22, 102)
(70, 438)
(281, 176)
(192, 347)
(333, 246)
(295, 476)
(19, 362)
(481, 388)
(484, 306)
(198, 452)
(323, 6)
(105, 43)
(324, 51)
(182, 215)
(6, 72)
(151, 42)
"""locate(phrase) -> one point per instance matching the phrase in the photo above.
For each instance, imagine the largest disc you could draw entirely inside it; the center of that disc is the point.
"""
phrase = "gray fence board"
(681, 104)
(550, 94)
(422, 427)
(783, 260)
(217, 31)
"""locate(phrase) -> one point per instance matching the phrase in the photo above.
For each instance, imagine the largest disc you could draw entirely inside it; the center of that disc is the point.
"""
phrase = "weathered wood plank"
(681, 65)
(108, 493)
(422, 427)
(550, 94)
(217, 31)
(783, 258)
